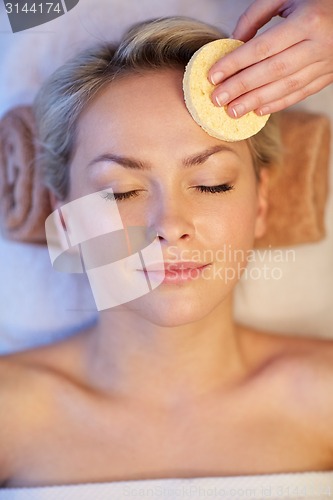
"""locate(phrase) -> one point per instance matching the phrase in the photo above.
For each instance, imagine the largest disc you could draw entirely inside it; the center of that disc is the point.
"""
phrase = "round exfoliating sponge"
(197, 91)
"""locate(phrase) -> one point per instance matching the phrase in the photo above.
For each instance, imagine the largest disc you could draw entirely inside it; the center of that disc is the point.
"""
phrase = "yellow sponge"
(197, 91)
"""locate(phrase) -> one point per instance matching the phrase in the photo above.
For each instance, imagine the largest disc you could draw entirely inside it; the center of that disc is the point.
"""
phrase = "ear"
(262, 190)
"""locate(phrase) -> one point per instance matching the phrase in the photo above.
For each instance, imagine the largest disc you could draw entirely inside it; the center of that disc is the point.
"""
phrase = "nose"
(172, 220)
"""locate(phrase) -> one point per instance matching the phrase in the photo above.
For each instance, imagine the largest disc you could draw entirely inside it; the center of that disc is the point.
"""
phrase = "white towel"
(38, 304)
(304, 485)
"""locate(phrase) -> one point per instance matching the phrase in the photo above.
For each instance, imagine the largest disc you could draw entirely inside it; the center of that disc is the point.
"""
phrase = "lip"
(174, 266)
(175, 273)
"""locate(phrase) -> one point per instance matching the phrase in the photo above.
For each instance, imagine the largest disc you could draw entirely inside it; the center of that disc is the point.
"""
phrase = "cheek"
(233, 223)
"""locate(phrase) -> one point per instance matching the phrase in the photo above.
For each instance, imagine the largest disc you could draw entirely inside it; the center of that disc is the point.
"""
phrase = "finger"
(255, 17)
(259, 98)
(295, 97)
(269, 43)
(272, 69)
(262, 98)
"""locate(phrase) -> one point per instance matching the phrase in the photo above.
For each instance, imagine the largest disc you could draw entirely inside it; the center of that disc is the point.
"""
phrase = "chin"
(172, 312)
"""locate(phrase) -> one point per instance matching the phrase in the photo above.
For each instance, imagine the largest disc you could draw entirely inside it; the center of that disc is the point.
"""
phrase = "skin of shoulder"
(28, 383)
(312, 384)
(15, 401)
(303, 368)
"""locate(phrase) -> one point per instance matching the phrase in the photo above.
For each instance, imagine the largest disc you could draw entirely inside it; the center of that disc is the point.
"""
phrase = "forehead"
(143, 112)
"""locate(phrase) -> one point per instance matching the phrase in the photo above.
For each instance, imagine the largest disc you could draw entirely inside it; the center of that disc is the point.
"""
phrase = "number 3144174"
(35, 8)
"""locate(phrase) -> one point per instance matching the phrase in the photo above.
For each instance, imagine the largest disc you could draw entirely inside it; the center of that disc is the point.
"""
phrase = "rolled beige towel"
(298, 188)
(24, 200)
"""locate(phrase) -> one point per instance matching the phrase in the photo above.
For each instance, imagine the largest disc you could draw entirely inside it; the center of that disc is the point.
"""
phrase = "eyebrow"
(196, 159)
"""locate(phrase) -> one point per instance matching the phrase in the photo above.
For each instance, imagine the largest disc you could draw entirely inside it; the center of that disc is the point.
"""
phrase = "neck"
(131, 357)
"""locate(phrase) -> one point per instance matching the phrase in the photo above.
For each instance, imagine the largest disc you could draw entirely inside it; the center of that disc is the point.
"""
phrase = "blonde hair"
(152, 45)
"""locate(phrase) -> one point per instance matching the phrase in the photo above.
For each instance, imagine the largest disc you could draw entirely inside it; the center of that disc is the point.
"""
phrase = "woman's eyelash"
(120, 196)
(221, 188)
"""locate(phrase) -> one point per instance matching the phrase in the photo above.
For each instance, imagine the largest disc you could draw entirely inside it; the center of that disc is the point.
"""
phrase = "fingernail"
(222, 99)
(238, 110)
(217, 77)
(263, 111)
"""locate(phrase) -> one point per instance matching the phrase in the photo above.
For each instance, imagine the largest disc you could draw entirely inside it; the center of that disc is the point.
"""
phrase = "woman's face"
(138, 139)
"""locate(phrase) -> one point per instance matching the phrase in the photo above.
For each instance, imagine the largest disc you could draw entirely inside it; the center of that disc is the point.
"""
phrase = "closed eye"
(120, 196)
(221, 188)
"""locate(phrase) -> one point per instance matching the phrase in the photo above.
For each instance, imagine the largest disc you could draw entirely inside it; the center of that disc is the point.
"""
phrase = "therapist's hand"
(281, 66)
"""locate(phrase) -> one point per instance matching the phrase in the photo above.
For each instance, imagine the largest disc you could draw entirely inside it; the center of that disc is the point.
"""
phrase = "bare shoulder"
(29, 384)
(293, 350)
(302, 369)
(308, 362)
(17, 394)
(60, 358)
(309, 368)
